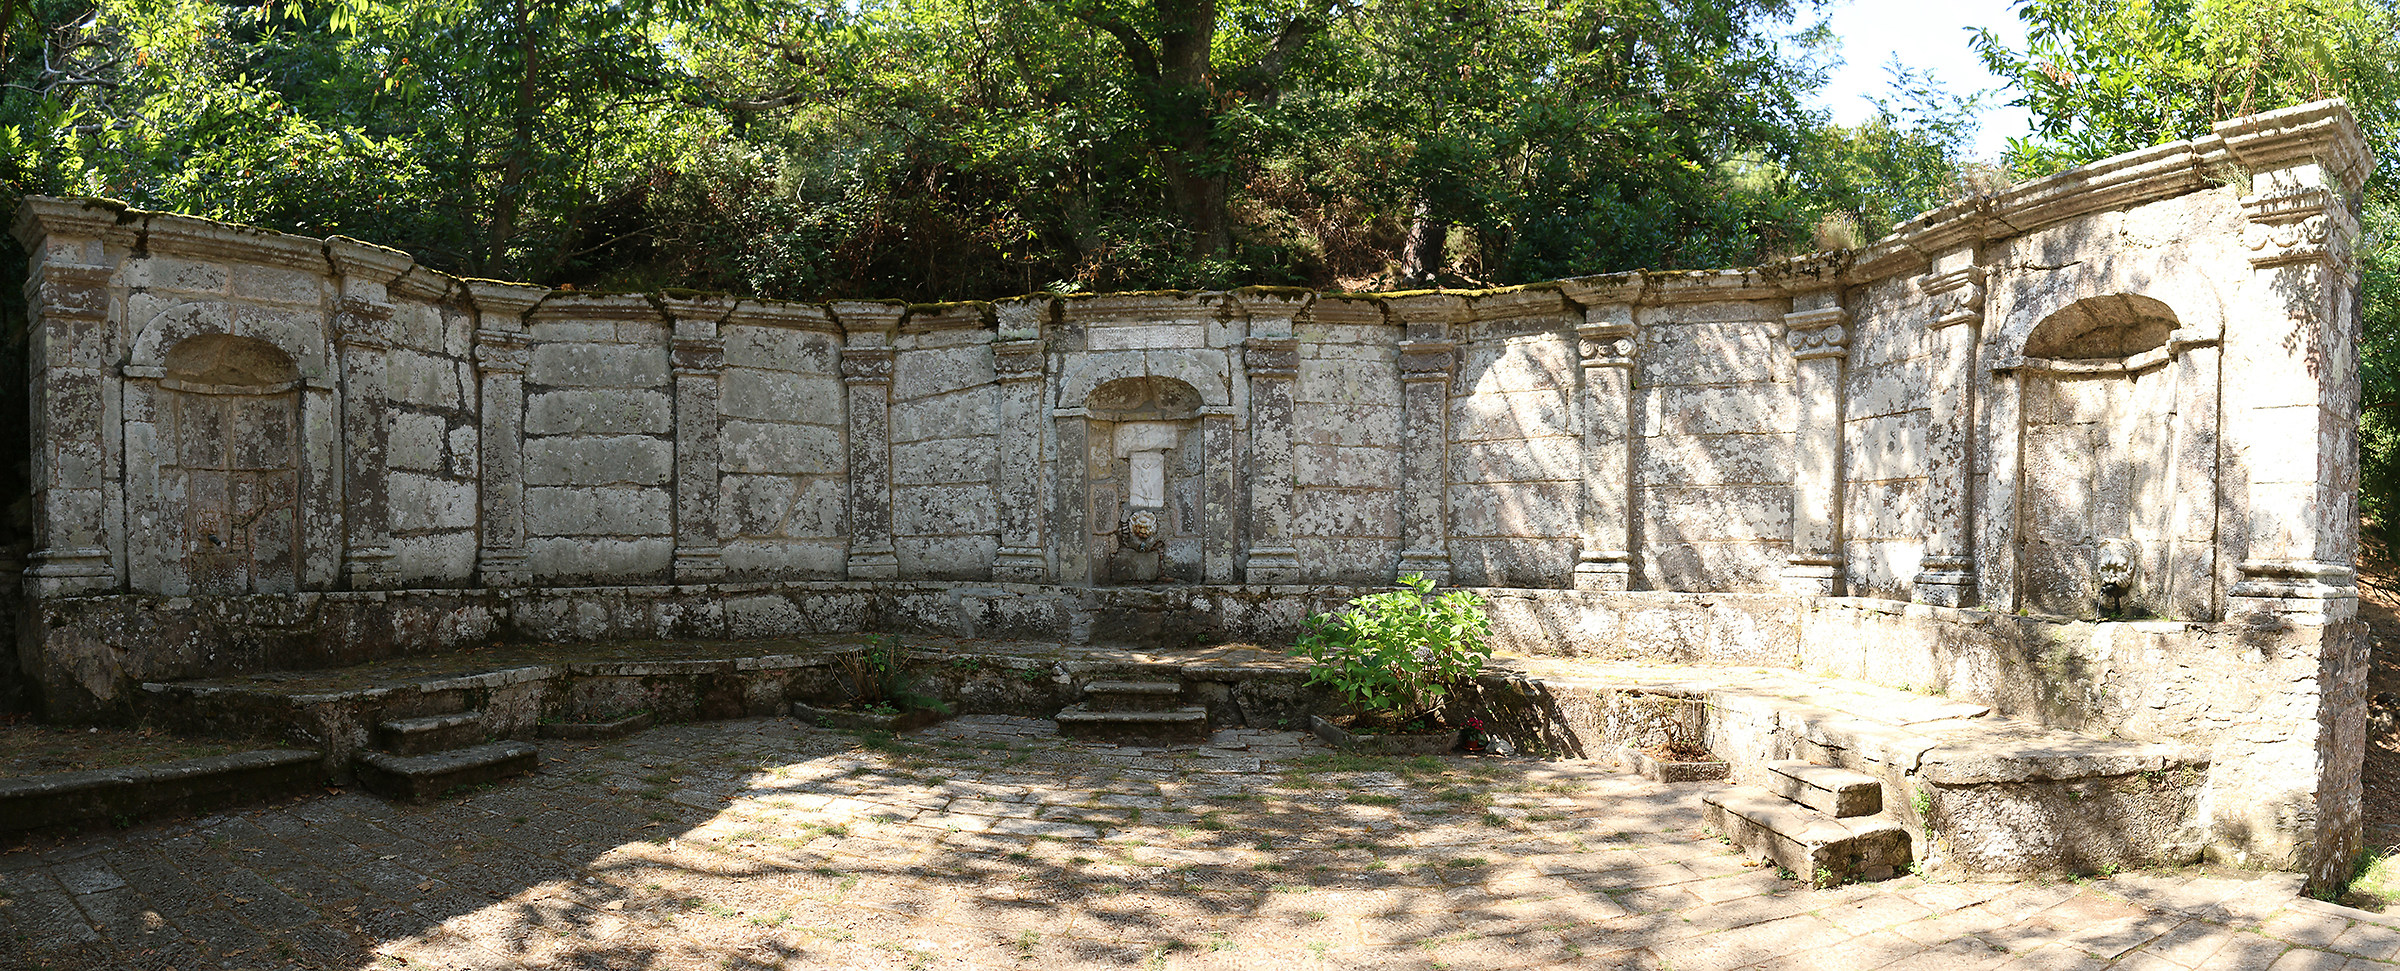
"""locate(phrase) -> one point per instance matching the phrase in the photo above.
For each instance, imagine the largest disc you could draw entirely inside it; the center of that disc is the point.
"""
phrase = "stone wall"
(2121, 399)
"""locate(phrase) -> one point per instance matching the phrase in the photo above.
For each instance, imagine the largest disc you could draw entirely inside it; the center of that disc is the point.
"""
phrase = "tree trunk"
(1421, 256)
(1184, 107)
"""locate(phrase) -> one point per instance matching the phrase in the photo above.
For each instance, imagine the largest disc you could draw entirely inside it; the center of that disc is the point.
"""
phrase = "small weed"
(1466, 861)
(1027, 942)
(1371, 799)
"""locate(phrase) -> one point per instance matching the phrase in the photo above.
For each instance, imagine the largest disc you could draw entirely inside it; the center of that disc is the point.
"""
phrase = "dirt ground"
(28, 748)
(2379, 605)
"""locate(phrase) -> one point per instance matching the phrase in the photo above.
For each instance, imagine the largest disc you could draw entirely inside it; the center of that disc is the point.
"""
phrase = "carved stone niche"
(224, 469)
(1146, 463)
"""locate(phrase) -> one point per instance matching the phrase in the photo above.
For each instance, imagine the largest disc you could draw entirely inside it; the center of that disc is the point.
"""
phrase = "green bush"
(1395, 655)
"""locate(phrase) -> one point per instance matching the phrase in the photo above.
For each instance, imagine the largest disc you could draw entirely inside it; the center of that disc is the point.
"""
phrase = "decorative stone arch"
(2114, 427)
(1146, 477)
(229, 454)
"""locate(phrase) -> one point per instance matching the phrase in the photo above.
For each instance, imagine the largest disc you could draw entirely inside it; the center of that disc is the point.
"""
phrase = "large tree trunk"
(1184, 107)
(1421, 256)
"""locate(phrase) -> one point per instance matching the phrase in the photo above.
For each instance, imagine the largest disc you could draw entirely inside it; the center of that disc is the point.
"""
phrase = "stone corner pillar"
(1946, 574)
(697, 358)
(868, 329)
(1606, 341)
(74, 441)
(1017, 364)
(500, 362)
(1428, 360)
(362, 336)
(1818, 334)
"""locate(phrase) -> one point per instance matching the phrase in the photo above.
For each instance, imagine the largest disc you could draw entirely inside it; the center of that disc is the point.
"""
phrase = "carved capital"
(698, 356)
(2291, 227)
(500, 351)
(1606, 343)
(1817, 333)
(72, 291)
(1427, 360)
(1955, 297)
(867, 365)
(1271, 357)
(1017, 360)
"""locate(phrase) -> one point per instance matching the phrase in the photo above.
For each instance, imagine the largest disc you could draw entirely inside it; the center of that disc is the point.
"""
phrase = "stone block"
(420, 502)
(598, 460)
(1714, 353)
(598, 511)
(429, 557)
(463, 452)
(1341, 467)
(171, 273)
(948, 510)
(784, 559)
(924, 373)
(1520, 460)
(1718, 460)
(608, 412)
(1525, 509)
(1341, 512)
(581, 558)
(1726, 567)
(1510, 415)
(1711, 514)
(594, 365)
(417, 378)
(781, 349)
(975, 411)
(252, 281)
(1341, 381)
(1512, 562)
(1889, 447)
(780, 449)
(1879, 390)
(1885, 510)
(1343, 559)
(945, 557)
(1359, 426)
(416, 442)
(780, 396)
(944, 461)
(1744, 409)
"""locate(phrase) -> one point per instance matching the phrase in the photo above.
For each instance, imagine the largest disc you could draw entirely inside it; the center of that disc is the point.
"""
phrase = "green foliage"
(1398, 653)
(876, 681)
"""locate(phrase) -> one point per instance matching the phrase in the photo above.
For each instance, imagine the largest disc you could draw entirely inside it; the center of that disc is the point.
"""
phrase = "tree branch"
(1137, 48)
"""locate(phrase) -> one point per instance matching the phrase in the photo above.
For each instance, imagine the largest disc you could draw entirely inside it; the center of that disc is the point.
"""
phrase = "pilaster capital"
(1017, 360)
(868, 322)
(1955, 297)
(2300, 226)
(1427, 360)
(500, 351)
(867, 365)
(1817, 333)
(503, 306)
(1606, 340)
(1271, 357)
(698, 356)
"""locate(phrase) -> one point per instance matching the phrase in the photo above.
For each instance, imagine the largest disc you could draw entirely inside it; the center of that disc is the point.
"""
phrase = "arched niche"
(216, 472)
(1146, 467)
(2116, 511)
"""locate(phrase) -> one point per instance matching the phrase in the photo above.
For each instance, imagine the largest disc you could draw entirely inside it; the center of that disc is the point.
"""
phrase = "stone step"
(417, 778)
(1133, 695)
(1179, 725)
(1824, 850)
(432, 733)
(1828, 789)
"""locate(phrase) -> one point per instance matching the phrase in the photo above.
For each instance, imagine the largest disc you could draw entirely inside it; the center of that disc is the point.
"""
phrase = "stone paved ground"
(988, 842)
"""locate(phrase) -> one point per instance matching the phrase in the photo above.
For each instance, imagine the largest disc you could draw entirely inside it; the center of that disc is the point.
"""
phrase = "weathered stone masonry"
(2128, 391)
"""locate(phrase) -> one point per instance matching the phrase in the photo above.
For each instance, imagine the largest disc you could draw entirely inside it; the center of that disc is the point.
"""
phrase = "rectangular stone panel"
(1893, 509)
(602, 511)
(597, 559)
(784, 559)
(441, 557)
(424, 503)
(1510, 415)
(1340, 382)
(1546, 363)
(923, 373)
(1714, 353)
(1355, 426)
(416, 442)
(610, 412)
(1891, 447)
(417, 378)
(1335, 512)
(1717, 514)
(770, 448)
(975, 411)
(1346, 468)
(599, 365)
(946, 557)
(1883, 568)
(1335, 559)
(1717, 460)
(946, 510)
(1716, 567)
(1523, 460)
(780, 396)
(1883, 389)
(1527, 509)
(944, 461)
(1481, 562)
(781, 349)
(1673, 410)
(598, 460)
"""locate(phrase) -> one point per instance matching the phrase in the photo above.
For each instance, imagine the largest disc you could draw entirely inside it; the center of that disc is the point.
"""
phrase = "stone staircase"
(1150, 712)
(1823, 823)
(422, 758)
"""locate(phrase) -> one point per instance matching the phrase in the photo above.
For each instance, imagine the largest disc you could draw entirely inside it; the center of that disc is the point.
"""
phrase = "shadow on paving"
(988, 842)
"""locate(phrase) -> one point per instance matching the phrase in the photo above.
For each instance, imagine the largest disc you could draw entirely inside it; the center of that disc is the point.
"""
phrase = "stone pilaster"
(1606, 344)
(1017, 364)
(867, 330)
(1428, 358)
(74, 431)
(362, 337)
(697, 357)
(1818, 334)
(1273, 365)
(2293, 420)
(500, 361)
(1946, 575)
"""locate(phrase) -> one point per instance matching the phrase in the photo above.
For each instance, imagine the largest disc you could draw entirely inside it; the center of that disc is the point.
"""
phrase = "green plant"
(873, 676)
(1395, 655)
